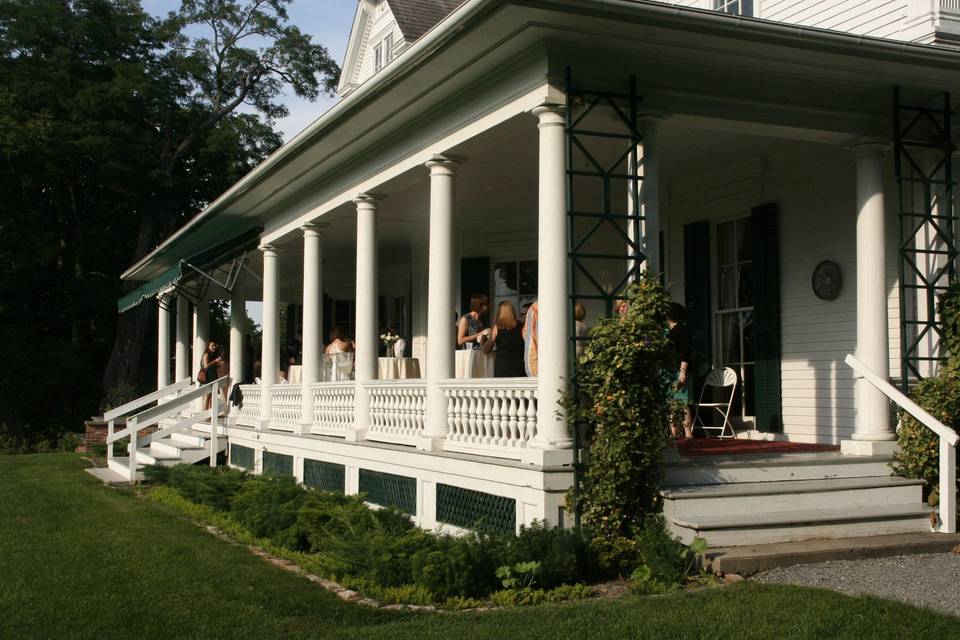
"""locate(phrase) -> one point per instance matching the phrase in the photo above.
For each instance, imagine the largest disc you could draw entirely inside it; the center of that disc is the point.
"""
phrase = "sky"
(328, 21)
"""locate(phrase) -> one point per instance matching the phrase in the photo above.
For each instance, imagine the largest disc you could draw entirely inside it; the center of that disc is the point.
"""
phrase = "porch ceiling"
(699, 65)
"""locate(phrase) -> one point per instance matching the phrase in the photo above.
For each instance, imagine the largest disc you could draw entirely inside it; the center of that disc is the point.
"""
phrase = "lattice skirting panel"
(277, 464)
(326, 476)
(241, 456)
(389, 490)
(475, 510)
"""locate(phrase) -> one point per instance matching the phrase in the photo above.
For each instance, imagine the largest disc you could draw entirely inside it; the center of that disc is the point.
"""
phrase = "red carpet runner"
(715, 447)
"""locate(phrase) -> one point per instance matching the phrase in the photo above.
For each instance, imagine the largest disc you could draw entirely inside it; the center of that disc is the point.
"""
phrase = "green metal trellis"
(927, 226)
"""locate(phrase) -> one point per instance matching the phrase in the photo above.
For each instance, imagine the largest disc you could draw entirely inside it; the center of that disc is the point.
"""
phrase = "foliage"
(115, 128)
(528, 596)
(564, 556)
(213, 488)
(625, 381)
(918, 453)
(664, 563)
(119, 395)
(10, 443)
(519, 576)
(948, 308)
(269, 507)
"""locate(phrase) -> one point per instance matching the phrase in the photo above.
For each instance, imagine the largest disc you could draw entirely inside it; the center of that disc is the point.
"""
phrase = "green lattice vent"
(389, 490)
(326, 476)
(277, 464)
(241, 457)
(476, 510)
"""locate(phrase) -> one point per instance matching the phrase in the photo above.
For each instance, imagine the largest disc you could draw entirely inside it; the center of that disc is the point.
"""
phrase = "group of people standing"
(516, 344)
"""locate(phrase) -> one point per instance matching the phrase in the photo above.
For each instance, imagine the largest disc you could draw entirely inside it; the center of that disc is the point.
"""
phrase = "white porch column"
(270, 353)
(183, 339)
(873, 434)
(552, 444)
(238, 322)
(367, 339)
(440, 300)
(312, 318)
(650, 193)
(163, 341)
(201, 332)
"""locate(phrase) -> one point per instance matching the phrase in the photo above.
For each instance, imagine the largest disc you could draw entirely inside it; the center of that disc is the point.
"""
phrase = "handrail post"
(214, 410)
(108, 443)
(132, 448)
(948, 487)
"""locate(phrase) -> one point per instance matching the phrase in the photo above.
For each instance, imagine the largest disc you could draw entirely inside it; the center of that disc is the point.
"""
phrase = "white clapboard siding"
(881, 18)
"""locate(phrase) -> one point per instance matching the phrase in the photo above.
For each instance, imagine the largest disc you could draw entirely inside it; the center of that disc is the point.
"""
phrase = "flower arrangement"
(389, 339)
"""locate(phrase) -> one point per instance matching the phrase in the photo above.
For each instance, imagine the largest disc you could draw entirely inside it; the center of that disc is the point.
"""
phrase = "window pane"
(726, 288)
(505, 279)
(729, 328)
(744, 240)
(745, 285)
(746, 320)
(528, 278)
(726, 247)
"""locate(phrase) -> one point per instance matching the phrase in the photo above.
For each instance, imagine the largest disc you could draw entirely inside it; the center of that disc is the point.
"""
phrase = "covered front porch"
(733, 177)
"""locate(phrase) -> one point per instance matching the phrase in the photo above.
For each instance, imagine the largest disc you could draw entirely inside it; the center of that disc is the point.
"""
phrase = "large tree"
(220, 56)
(115, 128)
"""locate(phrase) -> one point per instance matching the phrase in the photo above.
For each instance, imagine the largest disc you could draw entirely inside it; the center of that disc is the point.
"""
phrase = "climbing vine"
(625, 384)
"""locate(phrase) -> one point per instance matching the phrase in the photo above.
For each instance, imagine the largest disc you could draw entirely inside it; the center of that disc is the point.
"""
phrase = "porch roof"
(331, 142)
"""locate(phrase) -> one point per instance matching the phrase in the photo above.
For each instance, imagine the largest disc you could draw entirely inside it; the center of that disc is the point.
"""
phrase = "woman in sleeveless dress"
(212, 363)
(505, 335)
(470, 331)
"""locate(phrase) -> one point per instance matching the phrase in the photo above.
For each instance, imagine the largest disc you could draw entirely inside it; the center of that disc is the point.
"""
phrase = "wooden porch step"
(686, 502)
(706, 470)
(803, 524)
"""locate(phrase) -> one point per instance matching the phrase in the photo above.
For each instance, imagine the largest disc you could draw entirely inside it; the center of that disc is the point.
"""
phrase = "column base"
(548, 457)
(356, 434)
(430, 443)
(263, 423)
(304, 428)
(868, 447)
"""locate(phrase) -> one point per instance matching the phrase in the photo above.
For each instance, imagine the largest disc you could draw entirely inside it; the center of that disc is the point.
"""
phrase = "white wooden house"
(742, 145)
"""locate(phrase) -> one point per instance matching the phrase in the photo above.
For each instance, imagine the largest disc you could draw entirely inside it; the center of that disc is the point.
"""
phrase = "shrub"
(212, 487)
(565, 556)
(458, 566)
(948, 308)
(918, 454)
(268, 507)
(69, 442)
(664, 563)
(625, 380)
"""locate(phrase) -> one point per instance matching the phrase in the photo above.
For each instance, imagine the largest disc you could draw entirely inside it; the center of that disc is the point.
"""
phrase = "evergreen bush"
(625, 380)
(269, 507)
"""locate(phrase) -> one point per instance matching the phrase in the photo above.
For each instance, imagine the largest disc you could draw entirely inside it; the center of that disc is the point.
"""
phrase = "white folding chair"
(718, 379)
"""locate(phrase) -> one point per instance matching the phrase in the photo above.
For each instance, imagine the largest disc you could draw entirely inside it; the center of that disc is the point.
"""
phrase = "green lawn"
(78, 560)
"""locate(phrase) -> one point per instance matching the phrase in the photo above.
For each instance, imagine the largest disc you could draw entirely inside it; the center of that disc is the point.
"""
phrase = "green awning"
(190, 268)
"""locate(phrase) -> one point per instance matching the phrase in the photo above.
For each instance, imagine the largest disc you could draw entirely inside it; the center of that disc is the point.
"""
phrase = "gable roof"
(416, 17)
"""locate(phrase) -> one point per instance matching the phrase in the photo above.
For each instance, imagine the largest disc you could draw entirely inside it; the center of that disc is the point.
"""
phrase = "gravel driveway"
(928, 580)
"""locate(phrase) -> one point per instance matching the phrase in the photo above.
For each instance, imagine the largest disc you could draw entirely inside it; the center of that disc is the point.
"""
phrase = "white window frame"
(746, 8)
(377, 57)
(388, 49)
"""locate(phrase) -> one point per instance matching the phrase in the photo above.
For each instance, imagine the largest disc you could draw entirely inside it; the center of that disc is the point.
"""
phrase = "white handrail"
(948, 442)
(906, 403)
(153, 415)
(147, 399)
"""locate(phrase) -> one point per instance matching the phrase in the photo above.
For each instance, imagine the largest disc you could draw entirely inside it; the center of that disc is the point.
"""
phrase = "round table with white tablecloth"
(398, 368)
(295, 374)
(473, 363)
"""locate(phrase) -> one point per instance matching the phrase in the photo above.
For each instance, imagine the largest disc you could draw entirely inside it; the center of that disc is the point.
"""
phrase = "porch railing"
(948, 442)
(332, 408)
(492, 417)
(397, 410)
(286, 406)
(249, 414)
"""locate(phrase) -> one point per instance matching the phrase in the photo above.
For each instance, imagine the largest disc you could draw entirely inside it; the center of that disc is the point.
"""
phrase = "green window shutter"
(696, 278)
(768, 391)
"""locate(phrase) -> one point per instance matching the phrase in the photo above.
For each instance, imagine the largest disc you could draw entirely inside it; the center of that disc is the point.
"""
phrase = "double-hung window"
(378, 57)
(734, 7)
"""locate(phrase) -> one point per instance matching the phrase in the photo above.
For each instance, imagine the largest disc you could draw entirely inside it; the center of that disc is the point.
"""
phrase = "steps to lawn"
(741, 500)
(185, 447)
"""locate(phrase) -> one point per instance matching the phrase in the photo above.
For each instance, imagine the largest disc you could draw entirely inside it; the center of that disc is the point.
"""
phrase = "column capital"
(649, 123)
(368, 200)
(551, 114)
(442, 165)
(870, 147)
(268, 249)
(314, 229)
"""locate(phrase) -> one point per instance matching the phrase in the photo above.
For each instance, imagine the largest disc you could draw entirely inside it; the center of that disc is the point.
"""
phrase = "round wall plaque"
(827, 280)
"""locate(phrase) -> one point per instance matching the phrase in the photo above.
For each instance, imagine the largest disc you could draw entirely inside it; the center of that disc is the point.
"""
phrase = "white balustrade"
(286, 403)
(491, 417)
(397, 410)
(950, 5)
(249, 415)
(333, 411)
